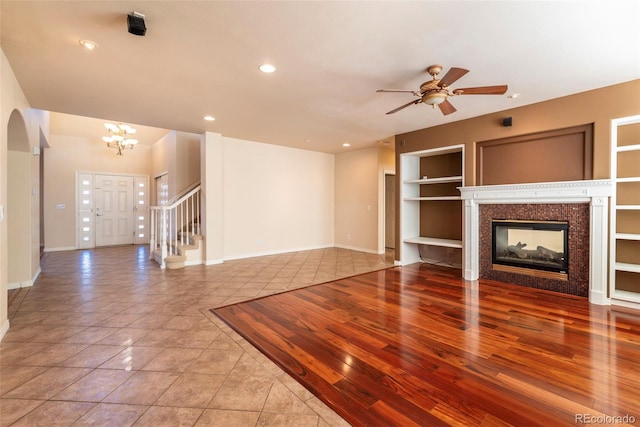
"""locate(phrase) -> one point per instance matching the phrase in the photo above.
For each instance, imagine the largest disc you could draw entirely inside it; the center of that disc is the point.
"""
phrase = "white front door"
(114, 210)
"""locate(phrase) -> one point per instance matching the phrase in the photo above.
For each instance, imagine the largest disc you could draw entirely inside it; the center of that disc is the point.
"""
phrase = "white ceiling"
(202, 57)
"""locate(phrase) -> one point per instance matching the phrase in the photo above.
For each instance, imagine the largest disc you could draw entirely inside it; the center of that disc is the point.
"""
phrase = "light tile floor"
(105, 337)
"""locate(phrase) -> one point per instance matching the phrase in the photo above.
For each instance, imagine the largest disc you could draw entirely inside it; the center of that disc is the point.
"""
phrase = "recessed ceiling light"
(88, 44)
(267, 68)
(346, 144)
(209, 118)
(514, 95)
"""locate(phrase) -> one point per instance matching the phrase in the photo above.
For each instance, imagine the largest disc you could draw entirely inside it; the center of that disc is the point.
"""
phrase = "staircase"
(175, 238)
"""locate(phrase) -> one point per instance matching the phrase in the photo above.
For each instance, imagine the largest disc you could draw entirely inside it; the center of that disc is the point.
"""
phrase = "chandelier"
(119, 137)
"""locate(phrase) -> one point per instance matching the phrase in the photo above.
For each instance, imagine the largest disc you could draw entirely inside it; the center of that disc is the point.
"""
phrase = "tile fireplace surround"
(596, 193)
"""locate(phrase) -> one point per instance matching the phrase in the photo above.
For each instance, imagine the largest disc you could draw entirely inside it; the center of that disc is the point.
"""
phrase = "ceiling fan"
(436, 91)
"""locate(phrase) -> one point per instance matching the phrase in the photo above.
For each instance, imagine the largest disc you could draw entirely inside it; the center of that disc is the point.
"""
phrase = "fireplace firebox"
(538, 248)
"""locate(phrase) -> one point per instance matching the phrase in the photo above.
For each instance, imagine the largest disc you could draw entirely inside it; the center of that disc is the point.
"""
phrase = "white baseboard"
(355, 248)
(4, 329)
(626, 304)
(285, 251)
(275, 252)
(36, 275)
(18, 285)
(62, 248)
(25, 283)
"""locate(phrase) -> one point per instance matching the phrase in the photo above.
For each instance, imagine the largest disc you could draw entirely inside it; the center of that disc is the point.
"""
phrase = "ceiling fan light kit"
(434, 98)
(436, 91)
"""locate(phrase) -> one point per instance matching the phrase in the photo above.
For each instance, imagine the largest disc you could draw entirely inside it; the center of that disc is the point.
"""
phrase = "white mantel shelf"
(594, 192)
(546, 192)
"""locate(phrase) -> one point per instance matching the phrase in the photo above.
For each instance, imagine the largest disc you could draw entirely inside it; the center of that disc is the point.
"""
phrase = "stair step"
(174, 262)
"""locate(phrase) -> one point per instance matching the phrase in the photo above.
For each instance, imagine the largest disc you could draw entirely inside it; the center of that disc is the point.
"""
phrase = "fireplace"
(583, 205)
(537, 248)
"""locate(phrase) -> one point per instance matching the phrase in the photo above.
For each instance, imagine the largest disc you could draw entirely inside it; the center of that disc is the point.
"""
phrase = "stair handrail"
(181, 194)
(166, 219)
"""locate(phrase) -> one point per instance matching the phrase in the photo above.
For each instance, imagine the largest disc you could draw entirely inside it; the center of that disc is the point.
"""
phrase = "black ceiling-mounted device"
(135, 24)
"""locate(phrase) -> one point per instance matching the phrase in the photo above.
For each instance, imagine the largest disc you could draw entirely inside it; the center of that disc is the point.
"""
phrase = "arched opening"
(18, 209)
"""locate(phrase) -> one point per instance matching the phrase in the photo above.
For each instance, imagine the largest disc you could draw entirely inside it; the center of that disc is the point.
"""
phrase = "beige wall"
(359, 201)
(275, 199)
(163, 162)
(387, 164)
(19, 191)
(13, 101)
(187, 160)
(66, 155)
(178, 156)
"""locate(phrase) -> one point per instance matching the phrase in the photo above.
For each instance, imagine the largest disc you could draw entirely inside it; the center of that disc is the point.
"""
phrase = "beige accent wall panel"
(559, 155)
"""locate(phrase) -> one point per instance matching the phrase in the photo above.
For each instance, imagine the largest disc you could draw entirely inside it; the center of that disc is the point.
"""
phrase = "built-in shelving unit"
(624, 280)
(428, 196)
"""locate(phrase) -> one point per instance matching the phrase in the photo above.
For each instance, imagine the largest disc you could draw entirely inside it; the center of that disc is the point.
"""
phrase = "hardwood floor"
(419, 346)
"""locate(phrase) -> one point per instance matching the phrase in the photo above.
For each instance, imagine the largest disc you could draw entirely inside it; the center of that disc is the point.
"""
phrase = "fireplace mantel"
(594, 192)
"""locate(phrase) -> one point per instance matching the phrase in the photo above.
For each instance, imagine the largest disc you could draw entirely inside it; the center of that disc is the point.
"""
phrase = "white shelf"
(442, 180)
(635, 147)
(432, 241)
(627, 236)
(633, 211)
(620, 295)
(431, 198)
(412, 176)
(632, 268)
(437, 151)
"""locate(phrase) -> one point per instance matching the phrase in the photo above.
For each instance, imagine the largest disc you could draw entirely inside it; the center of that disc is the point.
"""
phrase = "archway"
(18, 211)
